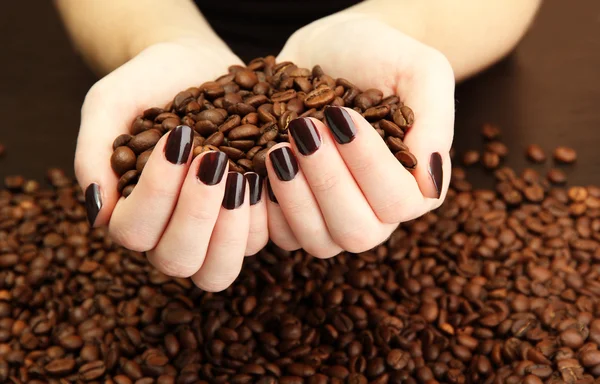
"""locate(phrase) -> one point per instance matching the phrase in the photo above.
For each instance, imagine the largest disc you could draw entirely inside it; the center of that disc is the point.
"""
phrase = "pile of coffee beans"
(496, 286)
(247, 111)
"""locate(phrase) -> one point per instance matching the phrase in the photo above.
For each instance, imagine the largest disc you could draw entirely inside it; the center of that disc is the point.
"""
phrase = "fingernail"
(179, 144)
(235, 190)
(93, 202)
(270, 192)
(255, 184)
(212, 167)
(341, 124)
(305, 135)
(284, 163)
(436, 172)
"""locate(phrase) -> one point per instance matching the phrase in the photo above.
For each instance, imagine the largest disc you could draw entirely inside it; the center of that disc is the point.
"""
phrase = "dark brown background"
(547, 92)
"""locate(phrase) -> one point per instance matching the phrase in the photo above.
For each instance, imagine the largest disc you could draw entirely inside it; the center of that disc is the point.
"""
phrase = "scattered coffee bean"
(490, 160)
(490, 131)
(565, 155)
(535, 153)
(556, 176)
(470, 157)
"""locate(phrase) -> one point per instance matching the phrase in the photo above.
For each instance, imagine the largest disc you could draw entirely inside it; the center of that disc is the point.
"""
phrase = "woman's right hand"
(191, 217)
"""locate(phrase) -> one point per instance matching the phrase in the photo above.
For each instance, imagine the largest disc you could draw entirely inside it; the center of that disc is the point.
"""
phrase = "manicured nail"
(436, 172)
(212, 167)
(270, 192)
(235, 190)
(284, 163)
(305, 135)
(179, 144)
(255, 183)
(341, 124)
(93, 202)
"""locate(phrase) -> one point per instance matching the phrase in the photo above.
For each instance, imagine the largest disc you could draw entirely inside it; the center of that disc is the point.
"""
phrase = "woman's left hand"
(337, 186)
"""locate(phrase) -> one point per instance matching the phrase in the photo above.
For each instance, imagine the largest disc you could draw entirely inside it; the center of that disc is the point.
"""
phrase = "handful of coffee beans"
(247, 111)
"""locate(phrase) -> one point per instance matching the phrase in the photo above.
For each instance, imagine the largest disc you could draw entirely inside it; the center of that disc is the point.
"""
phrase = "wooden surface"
(547, 92)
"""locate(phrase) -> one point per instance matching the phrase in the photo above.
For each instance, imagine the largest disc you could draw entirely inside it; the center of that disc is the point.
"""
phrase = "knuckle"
(396, 209)
(295, 205)
(215, 283)
(130, 239)
(357, 239)
(323, 252)
(172, 267)
(324, 182)
(159, 190)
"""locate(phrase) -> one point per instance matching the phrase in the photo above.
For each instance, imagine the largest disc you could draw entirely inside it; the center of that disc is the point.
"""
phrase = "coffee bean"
(490, 131)
(470, 157)
(143, 141)
(490, 160)
(497, 147)
(60, 367)
(564, 155)
(407, 159)
(535, 153)
(404, 117)
(556, 176)
(122, 160)
(319, 97)
(92, 371)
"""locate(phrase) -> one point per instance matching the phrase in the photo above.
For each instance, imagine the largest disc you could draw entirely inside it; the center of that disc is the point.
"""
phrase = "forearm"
(110, 32)
(473, 34)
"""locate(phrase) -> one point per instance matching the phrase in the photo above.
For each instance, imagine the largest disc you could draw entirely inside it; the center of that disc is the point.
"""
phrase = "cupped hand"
(337, 186)
(191, 216)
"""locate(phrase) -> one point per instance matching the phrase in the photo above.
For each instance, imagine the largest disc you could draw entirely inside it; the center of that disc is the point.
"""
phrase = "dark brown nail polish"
(212, 167)
(305, 135)
(284, 163)
(255, 183)
(436, 172)
(179, 144)
(341, 124)
(270, 192)
(235, 190)
(93, 202)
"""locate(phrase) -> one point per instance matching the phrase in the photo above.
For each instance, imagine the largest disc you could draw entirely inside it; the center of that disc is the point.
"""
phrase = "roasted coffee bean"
(122, 160)
(121, 140)
(490, 131)
(565, 155)
(368, 99)
(556, 176)
(144, 141)
(535, 153)
(404, 117)
(470, 157)
(92, 371)
(407, 159)
(497, 147)
(319, 97)
(490, 160)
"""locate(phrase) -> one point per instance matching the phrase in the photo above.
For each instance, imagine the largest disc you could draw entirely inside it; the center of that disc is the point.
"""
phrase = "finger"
(279, 230)
(183, 245)
(350, 220)
(298, 204)
(430, 94)
(258, 235)
(225, 253)
(139, 221)
(103, 117)
(392, 192)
